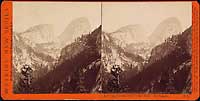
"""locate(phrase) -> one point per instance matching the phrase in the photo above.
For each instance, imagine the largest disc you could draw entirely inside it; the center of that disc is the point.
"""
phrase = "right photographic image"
(146, 47)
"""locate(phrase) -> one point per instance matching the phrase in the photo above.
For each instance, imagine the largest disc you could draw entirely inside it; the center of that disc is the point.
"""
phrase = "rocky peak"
(168, 27)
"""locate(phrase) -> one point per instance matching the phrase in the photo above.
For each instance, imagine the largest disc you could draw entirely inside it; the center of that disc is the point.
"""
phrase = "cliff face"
(175, 42)
(84, 67)
(128, 34)
(26, 52)
(77, 66)
(42, 33)
(168, 27)
(168, 69)
(81, 62)
(73, 30)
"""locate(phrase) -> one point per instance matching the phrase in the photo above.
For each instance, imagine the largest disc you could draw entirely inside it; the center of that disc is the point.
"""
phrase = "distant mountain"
(84, 65)
(41, 38)
(131, 59)
(168, 27)
(38, 48)
(142, 49)
(168, 69)
(77, 68)
(171, 44)
(42, 33)
(74, 29)
(113, 54)
(25, 53)
(128, 34)
(80, 61)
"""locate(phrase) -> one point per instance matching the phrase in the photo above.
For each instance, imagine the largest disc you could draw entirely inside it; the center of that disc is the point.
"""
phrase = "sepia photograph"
(147, 47)
(56, 46)
(102, 47)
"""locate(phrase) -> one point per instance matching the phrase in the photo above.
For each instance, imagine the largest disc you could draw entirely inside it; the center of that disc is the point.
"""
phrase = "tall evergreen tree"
(26, 79)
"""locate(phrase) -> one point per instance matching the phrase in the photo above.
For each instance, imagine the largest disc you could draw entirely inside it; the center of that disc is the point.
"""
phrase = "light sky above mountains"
(114, 14)
(148, 14)
(59, 14)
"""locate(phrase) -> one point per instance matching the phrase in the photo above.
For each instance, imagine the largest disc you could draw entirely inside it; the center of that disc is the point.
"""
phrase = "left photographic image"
(56, 47)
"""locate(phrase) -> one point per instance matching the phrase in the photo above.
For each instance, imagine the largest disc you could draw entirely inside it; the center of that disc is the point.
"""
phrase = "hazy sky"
(59, 14)
(148, 14)
(115, 14)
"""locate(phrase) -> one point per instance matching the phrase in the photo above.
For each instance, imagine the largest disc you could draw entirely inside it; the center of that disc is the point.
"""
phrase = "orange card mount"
(94, 65)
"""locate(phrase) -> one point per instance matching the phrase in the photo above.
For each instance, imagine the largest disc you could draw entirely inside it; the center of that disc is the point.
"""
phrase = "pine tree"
(114, 83)
(80, 84)
(25, 79)
(170, 85)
